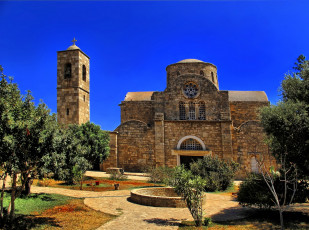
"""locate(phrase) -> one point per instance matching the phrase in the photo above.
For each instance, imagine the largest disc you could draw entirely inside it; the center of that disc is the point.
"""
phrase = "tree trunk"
(2, 195)
(281, 219)
(11, 209)
(28, 184)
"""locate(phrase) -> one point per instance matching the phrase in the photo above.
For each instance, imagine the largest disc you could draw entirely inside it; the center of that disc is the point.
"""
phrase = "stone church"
(190, 119)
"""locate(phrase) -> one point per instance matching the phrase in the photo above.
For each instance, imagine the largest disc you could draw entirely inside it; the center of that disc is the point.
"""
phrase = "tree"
(95, 140)
(287, 123)
(77, 148)
(287, 128)
(26, 134)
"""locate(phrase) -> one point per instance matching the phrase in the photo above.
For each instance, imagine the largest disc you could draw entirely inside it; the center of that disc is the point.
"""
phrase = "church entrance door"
(186, 160)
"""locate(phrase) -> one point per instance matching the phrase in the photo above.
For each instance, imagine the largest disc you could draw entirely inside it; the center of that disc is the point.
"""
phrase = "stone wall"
(242, 111)
(248, 143)
(137, 110)
(135, 146)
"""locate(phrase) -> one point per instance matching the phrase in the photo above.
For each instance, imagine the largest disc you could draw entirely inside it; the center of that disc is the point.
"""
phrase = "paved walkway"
(135, 216)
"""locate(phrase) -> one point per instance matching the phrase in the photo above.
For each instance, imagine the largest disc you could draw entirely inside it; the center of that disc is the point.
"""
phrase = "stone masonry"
(190, 119)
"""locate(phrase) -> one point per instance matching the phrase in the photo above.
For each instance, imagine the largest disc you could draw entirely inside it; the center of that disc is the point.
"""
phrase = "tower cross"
(74, 40)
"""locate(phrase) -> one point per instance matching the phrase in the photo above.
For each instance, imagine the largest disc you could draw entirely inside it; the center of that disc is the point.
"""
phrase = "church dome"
(190, 61)
(73, 47)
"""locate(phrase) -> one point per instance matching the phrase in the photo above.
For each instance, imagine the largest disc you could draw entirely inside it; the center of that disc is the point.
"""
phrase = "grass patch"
(35, 202)
(52, 211)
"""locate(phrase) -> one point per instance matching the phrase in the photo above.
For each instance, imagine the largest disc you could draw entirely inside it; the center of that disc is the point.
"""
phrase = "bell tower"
(73, 80)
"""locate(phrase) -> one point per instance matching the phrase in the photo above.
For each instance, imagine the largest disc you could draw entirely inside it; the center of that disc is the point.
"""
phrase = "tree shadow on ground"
(164, 222)
(234, 213)
(23, 222)
(265, 219)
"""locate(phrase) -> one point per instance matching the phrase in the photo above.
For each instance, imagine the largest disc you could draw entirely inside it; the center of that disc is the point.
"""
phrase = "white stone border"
(193, 137)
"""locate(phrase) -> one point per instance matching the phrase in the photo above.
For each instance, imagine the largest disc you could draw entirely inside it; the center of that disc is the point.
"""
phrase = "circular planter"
(157, 197)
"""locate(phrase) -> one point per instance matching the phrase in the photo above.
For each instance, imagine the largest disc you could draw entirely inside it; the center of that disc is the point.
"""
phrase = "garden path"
(135, 216)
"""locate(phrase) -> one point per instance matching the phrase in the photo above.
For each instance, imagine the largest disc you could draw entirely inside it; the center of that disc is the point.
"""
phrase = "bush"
(117, 176)
(254, 192)
(160, 174)
(207, 221)
(191, 188)
(219, 175)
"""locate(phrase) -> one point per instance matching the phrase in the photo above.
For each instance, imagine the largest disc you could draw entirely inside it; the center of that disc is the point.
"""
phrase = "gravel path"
(135, 216)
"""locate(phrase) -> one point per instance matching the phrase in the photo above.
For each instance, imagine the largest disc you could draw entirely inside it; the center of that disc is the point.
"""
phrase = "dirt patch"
(96, 185)
(74, 215)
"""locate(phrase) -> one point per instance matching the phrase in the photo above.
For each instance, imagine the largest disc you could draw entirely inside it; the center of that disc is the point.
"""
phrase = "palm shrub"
(218, 174)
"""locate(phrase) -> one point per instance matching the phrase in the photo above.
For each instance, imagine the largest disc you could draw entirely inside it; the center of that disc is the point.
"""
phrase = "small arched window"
(178, 73)
(191, 111)
(68, 112)
(202, 73)
(67, 71)
(191, 144)
(84, 73)
(212, 77)
(202, 111)
(84, 98)
(182, 111)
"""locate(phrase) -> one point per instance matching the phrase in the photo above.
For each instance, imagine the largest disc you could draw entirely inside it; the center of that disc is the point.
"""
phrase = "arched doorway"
(190, 149)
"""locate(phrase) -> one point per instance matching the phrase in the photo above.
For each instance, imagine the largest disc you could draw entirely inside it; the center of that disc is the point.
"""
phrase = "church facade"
(190, 119)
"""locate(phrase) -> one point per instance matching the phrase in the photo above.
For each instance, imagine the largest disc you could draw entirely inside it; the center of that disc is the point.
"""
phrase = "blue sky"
(253, 44)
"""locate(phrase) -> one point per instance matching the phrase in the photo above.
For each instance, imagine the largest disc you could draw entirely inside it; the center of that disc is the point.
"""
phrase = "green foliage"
(207, 221)
(159, 174)
(217, 173)
(287, 123)
(117, 176)
(254, 192)
(79, 147)
(36, 202)
(191, 188)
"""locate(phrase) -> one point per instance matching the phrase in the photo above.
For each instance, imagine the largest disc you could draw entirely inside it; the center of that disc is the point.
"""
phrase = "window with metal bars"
(182, 111)
(191, 144)
(202, 111)
(191, 111)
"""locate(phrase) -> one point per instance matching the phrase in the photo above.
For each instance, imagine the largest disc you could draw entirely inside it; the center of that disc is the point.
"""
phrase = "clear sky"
(253, 44)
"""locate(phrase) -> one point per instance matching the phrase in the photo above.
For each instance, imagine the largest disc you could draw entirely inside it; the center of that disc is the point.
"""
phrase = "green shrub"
(191, 188)
(219, 175)
(207, 221)
(254, 192)
(160, 174)
(117, 176)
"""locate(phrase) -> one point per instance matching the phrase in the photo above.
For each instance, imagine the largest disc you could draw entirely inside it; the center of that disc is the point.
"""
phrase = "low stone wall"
(157, 197)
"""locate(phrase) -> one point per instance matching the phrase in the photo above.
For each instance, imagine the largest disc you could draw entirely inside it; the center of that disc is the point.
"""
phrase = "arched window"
(178, 73)
(182, 111)
(202, 72)
(202, 111)
(212, 77)
(191, 144)
(84, 73)
(68, 112)
(191, 111)
(67, 71)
